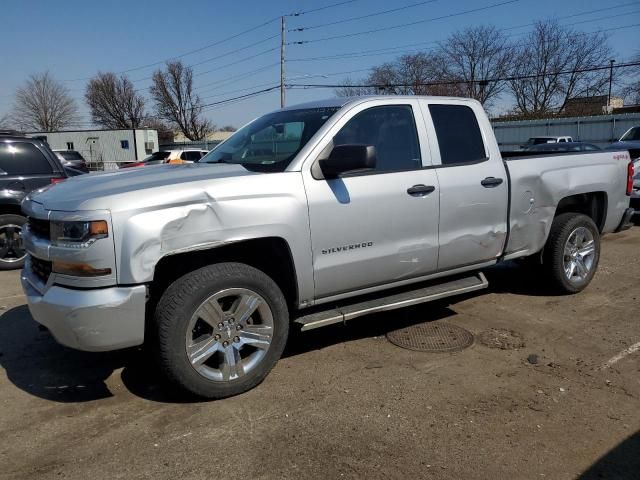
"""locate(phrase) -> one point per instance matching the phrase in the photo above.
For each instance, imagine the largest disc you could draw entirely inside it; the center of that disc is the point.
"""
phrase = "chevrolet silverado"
(307, 216)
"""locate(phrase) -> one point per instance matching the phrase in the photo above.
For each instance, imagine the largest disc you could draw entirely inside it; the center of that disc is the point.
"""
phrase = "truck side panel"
(538, 184)
(211, 217)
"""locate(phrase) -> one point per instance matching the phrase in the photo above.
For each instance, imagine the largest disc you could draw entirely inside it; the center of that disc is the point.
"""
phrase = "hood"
(106, 190)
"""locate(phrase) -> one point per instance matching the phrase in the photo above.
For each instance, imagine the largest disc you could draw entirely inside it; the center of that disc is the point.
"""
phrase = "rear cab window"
(458, 133)
(22, 158)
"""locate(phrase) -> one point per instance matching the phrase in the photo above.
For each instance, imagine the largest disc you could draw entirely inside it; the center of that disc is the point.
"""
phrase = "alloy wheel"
(229, 334)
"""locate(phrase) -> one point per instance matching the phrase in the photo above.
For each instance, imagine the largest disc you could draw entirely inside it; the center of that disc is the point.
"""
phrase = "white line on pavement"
(627, 351)
(12, 296)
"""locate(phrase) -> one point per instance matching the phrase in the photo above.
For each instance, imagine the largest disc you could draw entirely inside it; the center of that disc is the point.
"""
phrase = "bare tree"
(421, 73)
(631, 79)
(547, 52)
(44, 104)
(114, 102)
(631, 92)
(177, 103)
(474, 56)
(228, 128)
(5, 123)
(416, 74)
(350, 89)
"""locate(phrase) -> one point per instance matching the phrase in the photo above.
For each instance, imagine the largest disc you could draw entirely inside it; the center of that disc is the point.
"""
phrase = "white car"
(189, 155)
(539, 140)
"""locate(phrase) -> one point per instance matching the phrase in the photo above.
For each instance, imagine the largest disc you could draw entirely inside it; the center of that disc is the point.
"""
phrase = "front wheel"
(12, 252)
(572, 252)
(220, 329)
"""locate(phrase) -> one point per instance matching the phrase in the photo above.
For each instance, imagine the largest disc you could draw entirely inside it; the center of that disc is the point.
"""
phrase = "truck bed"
(541, 182)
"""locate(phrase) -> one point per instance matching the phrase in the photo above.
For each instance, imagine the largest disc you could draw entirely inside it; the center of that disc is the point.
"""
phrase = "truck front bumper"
(93, 320)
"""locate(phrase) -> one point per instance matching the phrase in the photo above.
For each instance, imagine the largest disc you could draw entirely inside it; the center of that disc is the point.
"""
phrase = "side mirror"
(347, 158)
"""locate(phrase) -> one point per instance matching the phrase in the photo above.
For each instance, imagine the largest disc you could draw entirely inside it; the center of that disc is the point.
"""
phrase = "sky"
(76, 39)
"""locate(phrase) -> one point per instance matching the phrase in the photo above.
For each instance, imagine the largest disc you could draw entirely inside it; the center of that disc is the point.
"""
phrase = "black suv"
(25, 165)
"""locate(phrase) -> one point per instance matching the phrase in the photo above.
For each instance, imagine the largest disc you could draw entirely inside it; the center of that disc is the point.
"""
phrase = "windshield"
(71, 155)
(270, 143)
(157, 156)
(632, 135)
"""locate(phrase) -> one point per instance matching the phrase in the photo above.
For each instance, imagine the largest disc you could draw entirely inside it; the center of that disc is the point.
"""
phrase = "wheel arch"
(11, 209)
(592, 204)
(271, 255)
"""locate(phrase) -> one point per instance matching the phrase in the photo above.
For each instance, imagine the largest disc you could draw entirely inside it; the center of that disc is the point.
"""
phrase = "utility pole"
(611, 62)
(282, 31)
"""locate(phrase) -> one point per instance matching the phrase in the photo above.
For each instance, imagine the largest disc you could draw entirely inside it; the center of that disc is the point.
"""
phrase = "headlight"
(78, 234)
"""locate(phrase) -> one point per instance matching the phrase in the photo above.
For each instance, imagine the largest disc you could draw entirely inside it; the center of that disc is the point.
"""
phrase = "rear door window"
(18, 158)
(458, 133)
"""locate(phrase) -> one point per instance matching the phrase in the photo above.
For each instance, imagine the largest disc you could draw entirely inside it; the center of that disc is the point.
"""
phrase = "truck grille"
(39, 228)
(41, 269)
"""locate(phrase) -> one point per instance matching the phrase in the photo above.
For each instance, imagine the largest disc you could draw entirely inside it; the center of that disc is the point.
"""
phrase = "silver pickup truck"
(311, 215)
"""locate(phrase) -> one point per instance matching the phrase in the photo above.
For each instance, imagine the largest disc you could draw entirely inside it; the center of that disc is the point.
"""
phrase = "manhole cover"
(501, 338)
(431, 337)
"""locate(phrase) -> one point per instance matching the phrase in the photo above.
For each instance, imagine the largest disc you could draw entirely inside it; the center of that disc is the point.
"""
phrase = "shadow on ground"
(37, 364)
(519, 278)
(621, 463)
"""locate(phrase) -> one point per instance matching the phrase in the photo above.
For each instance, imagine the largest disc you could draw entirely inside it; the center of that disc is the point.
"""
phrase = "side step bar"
(341, 314)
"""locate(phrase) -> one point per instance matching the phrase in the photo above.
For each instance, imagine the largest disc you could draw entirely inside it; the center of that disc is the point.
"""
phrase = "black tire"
(8, 257)
(179, 304)
(554, 252)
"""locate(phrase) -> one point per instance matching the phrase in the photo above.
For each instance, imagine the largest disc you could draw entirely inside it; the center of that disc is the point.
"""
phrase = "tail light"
(58, 180)
(630, 174)
(136, 164)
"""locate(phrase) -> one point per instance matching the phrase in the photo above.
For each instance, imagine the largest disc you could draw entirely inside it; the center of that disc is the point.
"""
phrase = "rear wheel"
(221, 329)
(572, 252)
(12, 252)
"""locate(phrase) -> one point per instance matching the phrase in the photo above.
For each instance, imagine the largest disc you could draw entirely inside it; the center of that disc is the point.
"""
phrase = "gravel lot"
(346, 403)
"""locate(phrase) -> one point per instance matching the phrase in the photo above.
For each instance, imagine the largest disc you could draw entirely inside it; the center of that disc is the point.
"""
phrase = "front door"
(375, 227)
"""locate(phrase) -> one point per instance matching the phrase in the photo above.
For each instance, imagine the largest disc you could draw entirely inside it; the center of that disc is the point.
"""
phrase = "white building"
(104, 149)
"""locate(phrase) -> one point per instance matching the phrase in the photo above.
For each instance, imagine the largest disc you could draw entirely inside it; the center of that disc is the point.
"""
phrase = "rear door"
(379, 226)
(473, 185)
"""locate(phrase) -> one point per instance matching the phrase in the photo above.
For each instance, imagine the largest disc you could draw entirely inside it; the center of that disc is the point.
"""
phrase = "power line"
(247, 95)
(190, 52)
(609, 8)
(352, 19)
(458, 82)
(393, 27)
(602, 18)
(251, 57)
(217, 42)
(234, 51)
(222, 94)
(226, 81)
(218, 57)
(382, 51)
(313, 10)
(238, 100)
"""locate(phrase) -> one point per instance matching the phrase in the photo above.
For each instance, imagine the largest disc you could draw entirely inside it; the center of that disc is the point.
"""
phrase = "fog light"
(79, 269)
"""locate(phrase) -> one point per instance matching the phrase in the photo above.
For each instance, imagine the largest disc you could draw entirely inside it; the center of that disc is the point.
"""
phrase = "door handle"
(420, 190)
(491, 182)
